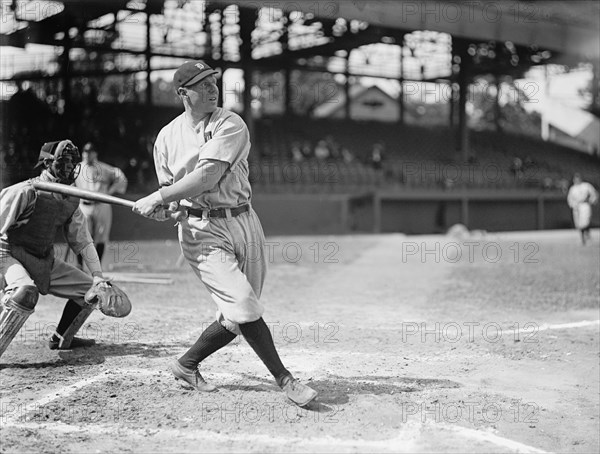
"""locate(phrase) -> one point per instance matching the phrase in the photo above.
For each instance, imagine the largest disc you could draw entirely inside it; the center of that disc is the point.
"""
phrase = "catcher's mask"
(62, 159)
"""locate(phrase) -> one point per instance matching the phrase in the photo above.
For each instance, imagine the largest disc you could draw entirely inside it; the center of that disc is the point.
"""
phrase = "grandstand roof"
(525, 31)
(571, 28)
(39, 22)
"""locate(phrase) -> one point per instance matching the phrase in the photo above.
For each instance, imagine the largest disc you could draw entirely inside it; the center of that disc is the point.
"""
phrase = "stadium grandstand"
(381, 104)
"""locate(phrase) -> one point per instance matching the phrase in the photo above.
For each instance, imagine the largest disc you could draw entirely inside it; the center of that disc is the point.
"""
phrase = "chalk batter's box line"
(407, 441)
(402, 443)
(66, 391)
(529, 330)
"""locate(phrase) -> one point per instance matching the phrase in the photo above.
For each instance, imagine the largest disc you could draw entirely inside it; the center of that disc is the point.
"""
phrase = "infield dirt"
(415, 344)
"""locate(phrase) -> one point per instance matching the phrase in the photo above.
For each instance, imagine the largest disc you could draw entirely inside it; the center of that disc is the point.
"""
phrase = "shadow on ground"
(90, 355)
(336, 390)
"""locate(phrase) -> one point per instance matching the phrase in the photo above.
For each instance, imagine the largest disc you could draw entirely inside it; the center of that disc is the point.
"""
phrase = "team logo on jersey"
(200, 66)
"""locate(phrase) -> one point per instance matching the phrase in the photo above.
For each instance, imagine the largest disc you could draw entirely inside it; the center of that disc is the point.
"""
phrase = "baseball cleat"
(77, 342)
(297, 392)
(191, 377)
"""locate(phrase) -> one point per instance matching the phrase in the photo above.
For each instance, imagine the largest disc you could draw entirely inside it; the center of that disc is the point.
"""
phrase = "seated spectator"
(377, 155)
(447, 183)
(297, 155)
(266, 152)
(563, 185)
(11, 165)
(147, 178)
(307, 150)
(322, 150)
(132, 173)
(528, 162)
(517, 168)
(347, 155)
(334, 147)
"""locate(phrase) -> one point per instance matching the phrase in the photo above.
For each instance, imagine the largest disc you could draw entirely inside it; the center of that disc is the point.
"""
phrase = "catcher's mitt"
(109, 298)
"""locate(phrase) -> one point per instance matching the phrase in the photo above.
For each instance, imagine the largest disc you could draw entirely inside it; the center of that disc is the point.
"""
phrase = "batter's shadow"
(336, 390)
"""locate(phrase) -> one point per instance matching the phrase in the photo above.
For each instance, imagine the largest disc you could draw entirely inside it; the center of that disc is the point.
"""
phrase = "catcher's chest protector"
(49, 213)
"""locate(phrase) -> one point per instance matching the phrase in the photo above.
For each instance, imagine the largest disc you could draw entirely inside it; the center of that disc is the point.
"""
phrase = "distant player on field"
(582, 195)
(98, 176)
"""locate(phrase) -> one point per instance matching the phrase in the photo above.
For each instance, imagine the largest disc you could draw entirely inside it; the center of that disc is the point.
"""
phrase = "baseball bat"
(82, 193)
(95, 196)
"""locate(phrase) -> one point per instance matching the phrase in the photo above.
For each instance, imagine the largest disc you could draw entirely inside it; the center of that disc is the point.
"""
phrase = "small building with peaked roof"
(366, 103)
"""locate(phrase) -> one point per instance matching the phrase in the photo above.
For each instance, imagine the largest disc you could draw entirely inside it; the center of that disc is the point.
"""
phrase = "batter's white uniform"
(580, 198)
(227, 254)
(99, 177)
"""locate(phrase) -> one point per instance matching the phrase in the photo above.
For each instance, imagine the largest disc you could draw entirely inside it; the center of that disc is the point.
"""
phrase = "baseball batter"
(201, 163)
(580, 199)
(28, 222)
(98, 176)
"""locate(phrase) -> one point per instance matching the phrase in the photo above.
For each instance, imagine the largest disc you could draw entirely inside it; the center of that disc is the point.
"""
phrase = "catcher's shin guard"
(67, 337)
(15, 309)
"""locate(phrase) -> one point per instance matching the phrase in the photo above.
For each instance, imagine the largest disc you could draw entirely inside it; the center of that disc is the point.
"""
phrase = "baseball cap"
(192, 72)
(54, 150)
(89, 147)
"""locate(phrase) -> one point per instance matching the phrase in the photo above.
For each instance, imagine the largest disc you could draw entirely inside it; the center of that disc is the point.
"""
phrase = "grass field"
(486, 343)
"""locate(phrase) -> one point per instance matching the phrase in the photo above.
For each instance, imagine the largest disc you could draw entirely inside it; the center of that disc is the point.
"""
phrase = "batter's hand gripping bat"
(96, 197)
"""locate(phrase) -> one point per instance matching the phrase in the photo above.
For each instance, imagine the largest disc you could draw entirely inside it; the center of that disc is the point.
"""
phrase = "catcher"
(29, 220)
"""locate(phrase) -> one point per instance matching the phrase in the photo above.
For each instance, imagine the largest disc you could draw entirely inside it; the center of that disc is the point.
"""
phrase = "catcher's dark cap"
(192, 72)
(54, 150)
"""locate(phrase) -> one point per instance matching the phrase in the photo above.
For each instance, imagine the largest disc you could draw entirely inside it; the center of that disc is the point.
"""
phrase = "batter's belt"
(218, 212)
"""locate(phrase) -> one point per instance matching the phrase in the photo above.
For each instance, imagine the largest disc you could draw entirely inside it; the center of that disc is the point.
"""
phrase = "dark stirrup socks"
(212, 339)
(71, 310)
(256, 333)
(259, 337)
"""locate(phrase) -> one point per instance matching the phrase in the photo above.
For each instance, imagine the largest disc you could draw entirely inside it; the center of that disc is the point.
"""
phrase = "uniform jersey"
(580, 198)
(227, 254)
(101, 177)
(582, 192)
(224, 137)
